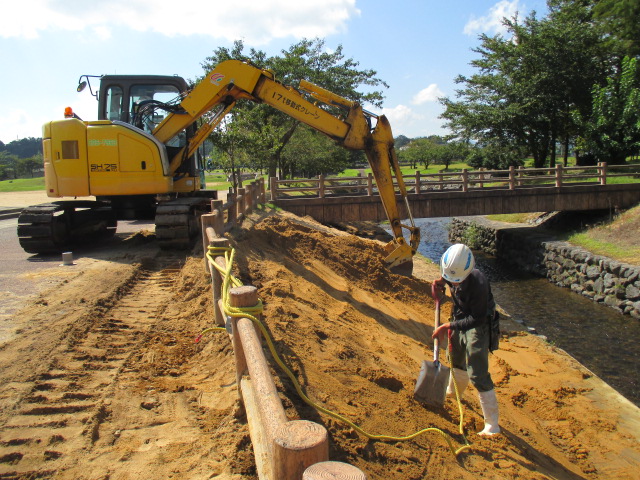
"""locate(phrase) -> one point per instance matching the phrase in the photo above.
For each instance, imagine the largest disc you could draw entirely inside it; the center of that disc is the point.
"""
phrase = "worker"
(469, 329)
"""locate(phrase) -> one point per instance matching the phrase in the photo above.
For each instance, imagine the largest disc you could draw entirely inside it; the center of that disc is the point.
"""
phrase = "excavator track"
(177, 222)
(54, 227)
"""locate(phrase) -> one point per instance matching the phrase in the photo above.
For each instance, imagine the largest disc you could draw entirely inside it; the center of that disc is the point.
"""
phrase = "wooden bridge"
(481, 192)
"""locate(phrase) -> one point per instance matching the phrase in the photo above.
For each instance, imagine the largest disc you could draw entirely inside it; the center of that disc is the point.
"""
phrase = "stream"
(568, 320)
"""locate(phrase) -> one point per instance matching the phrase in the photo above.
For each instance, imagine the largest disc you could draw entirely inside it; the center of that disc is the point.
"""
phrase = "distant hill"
(23, 148)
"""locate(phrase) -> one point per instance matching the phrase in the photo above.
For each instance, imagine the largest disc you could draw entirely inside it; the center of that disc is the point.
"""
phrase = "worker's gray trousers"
(470, 352)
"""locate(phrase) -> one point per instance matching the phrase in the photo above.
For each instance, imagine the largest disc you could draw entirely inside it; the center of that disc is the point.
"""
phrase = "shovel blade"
(431, 386)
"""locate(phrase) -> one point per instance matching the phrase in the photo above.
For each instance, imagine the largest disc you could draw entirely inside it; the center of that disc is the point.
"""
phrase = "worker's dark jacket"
(473, 302)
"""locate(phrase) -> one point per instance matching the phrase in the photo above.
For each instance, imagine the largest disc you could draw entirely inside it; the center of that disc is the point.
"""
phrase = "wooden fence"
(465, 180)
(284, 449)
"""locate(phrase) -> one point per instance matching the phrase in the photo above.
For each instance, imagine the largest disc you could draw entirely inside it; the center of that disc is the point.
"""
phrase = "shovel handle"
(436, 342)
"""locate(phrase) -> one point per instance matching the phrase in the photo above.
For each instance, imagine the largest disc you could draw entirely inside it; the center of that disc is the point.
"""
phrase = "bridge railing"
(464, 180)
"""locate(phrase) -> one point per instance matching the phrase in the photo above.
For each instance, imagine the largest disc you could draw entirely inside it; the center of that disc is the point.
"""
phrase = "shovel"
(431, 386)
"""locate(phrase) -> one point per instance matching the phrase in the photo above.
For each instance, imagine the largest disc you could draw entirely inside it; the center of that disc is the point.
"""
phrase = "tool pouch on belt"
(494, 331)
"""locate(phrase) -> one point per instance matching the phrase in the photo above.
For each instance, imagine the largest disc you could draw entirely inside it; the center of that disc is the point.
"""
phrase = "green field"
(22, 184)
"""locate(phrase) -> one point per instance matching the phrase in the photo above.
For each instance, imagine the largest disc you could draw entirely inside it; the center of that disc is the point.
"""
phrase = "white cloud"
(26, 122)
(429, 94)
(255, 22)
(492, 22)
(19, 123)
(401, 114)
(402, 119)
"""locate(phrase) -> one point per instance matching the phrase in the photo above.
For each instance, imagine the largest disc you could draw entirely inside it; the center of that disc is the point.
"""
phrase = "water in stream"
(603, 340)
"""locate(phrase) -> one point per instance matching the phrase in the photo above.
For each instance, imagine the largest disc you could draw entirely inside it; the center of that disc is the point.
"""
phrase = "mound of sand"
(103, 378)
(355, 334)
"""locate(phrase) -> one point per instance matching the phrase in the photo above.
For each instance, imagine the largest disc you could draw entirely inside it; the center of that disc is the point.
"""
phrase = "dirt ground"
(103, 378)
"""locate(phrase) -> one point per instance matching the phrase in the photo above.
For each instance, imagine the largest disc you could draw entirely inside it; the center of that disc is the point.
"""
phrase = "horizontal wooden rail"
(465, 180)
(283, 449)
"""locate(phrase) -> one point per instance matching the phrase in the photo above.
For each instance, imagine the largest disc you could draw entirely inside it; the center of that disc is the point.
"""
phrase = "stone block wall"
(599, 278)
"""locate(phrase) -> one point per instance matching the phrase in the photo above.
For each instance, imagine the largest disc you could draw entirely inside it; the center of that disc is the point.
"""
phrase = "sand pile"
(355, 335)
(104, 380)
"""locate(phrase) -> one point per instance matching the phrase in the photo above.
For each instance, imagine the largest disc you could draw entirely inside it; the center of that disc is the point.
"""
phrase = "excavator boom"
(233, 80)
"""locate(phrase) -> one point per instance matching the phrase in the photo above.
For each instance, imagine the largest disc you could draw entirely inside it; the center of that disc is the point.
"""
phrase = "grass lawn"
(617, 239)
(22, 184)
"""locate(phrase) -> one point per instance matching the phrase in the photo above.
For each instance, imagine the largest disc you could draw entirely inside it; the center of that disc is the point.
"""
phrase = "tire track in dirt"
(61, 410)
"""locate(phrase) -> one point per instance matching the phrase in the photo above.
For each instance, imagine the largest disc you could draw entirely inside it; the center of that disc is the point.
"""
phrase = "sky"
(418, 47)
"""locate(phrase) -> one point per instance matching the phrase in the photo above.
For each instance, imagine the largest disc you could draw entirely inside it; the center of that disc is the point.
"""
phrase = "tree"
(9, 163)
(401, 141)
(620, 19)
(29, 165)
(231, 145)
(419, 151)
(528, 85)
(612, 132)
(310, 153)
(25, 147)
(493, 156)
(271, 130)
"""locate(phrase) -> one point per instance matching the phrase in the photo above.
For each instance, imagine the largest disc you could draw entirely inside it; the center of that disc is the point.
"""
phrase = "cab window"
(145, 104)
(114, 104)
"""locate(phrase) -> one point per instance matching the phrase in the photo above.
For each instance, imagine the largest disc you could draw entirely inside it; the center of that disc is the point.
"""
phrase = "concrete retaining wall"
(599, 278)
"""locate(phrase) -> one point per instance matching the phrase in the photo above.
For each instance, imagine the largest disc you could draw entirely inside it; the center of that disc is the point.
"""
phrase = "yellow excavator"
(141, 158)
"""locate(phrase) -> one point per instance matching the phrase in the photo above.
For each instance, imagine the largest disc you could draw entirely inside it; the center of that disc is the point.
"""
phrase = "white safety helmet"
(456, 263)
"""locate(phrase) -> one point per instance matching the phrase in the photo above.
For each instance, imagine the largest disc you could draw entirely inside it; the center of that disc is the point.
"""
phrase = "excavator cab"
(141, 100)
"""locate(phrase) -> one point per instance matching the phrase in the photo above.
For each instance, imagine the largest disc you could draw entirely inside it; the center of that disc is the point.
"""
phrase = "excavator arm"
(233, 80)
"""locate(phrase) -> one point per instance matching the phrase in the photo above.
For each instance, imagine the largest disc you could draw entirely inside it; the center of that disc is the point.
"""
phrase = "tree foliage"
(620, 20)
(9, 165)
(526, 87)
(612, 131)
(23, 147)
(268, 131)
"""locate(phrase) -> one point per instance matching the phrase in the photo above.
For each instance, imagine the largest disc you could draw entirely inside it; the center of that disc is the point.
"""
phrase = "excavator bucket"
(399, 258)
(397, 253)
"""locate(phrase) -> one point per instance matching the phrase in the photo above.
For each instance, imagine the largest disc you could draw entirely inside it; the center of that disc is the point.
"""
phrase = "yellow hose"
(248, 312)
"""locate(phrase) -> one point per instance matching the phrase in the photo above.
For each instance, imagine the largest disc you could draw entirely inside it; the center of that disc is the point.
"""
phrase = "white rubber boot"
(489, 404)
(461, 378)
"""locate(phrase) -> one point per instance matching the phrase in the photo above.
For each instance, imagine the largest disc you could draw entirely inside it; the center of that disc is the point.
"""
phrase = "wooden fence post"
(520, 174)
(512, 178)
(297, 445)
(246, 296)
(255, 190)
(217, 280)
(370, 184)
(333, 470)
(558, 175)
(206, 220)
(241, 202)
(232, 210)
(217, 207)
(248, 204)
(417, 181)
(321, 186)
(465, 180)
(603, 173)
(274, 188)
(263, 192)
